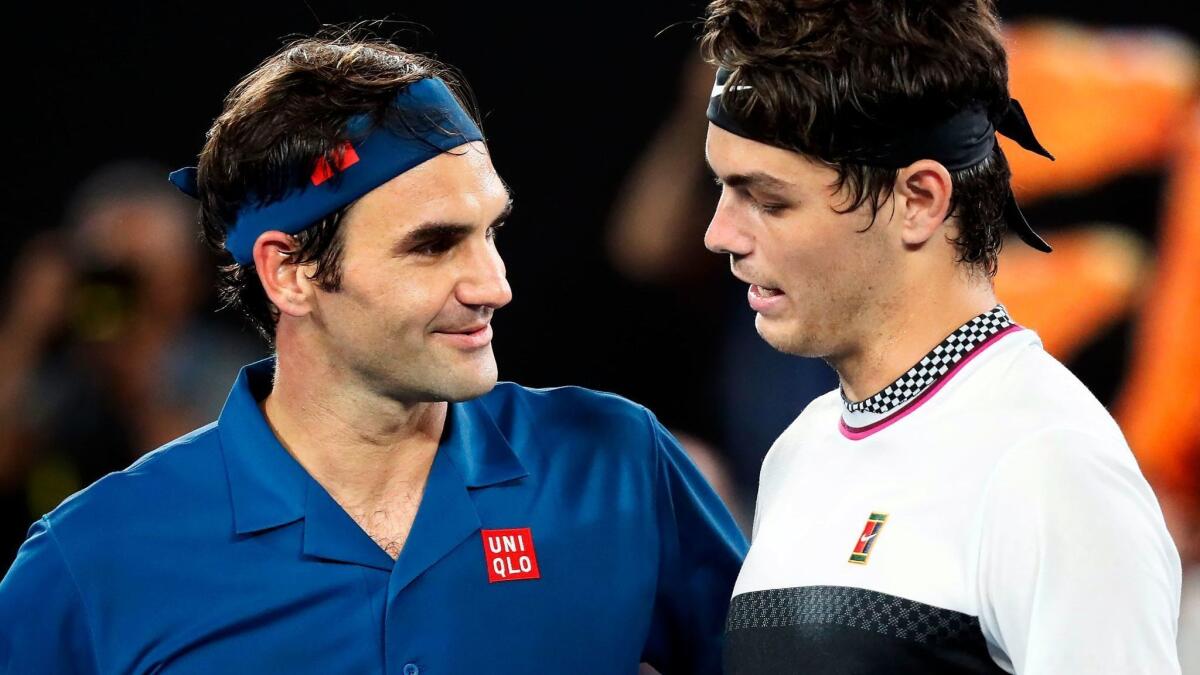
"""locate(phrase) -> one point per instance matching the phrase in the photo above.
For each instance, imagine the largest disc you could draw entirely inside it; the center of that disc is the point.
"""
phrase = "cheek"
(417, 301)
(824, 261)
(806, 260)
(409, 305)
(375, 302)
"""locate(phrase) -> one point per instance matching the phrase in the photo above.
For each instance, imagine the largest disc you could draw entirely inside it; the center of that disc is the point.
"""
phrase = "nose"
(725, 233)
(484, 284)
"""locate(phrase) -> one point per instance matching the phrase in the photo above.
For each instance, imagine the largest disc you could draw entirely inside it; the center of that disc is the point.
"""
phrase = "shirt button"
(411, 669)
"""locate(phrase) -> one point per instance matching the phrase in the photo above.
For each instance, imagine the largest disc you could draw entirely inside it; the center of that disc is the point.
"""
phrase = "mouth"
(764, 299)
(468, 337)
(764, 291)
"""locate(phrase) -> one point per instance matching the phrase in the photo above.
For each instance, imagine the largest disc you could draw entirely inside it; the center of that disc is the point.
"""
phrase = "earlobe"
(286, 284)
(925, 187)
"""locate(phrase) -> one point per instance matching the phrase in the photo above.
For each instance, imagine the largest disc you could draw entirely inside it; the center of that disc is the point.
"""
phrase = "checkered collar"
(929, 370)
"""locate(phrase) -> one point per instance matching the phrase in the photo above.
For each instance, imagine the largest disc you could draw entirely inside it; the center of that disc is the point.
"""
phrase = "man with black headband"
(963, 504)
(370, 501)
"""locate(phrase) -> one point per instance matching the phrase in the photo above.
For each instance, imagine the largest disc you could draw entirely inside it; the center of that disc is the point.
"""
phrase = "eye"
(435, 247)
(767, 208)
(766, 204)
(770, 209)
(494, 231)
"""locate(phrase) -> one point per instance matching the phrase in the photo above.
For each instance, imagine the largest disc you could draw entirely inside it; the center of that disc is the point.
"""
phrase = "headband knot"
(962, 140)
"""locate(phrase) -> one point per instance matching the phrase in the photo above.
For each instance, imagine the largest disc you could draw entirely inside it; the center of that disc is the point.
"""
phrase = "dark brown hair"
(822, 73)
(277, 122)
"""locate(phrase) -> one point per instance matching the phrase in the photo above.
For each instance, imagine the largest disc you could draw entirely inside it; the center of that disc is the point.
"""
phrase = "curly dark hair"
(825, 74)
(277, 123)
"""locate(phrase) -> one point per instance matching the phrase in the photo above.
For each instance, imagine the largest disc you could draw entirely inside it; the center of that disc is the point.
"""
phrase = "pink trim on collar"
(859, 433)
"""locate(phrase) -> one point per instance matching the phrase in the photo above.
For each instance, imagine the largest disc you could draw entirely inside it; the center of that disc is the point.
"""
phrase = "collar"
(932, 370)
(270, 488)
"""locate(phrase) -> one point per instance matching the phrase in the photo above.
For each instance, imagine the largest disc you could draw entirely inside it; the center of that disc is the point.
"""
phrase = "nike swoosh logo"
(866, 537)
(719, 89)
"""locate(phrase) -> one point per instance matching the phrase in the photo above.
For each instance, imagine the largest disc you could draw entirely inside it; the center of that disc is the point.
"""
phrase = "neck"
(904, 330)
(363, 447)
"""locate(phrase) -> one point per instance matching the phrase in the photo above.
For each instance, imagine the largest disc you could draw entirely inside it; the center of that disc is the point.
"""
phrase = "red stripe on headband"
(344, 155)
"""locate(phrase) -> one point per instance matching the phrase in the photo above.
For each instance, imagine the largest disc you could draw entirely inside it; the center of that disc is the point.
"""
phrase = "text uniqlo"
(510, 555)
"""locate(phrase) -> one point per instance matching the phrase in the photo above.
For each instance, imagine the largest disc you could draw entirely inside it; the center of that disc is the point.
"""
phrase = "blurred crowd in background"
(110, 342)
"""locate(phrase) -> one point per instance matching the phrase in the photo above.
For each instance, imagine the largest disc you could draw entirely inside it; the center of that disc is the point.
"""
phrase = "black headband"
(962, 140)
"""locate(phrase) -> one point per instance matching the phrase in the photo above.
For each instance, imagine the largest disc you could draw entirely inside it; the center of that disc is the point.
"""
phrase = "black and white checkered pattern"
(935, 364)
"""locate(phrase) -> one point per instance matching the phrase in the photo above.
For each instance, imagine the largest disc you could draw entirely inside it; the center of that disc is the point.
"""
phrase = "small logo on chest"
(510, 555)
(866, 540)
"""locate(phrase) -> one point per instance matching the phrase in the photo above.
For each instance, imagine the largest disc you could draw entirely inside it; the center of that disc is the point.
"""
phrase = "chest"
(897, 517)
(453, 602)
(387, 522)
(863, 561)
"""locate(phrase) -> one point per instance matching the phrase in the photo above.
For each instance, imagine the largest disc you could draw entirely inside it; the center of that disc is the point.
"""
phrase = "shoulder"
(1053, 457)
(1067, 477)
(1055, 437)
(1041, 458)
(573, 432)
(184, 474)
(568, 410)
(1034, 391)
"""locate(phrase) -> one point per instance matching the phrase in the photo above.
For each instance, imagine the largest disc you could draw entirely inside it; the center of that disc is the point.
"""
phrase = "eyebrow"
(433, 230)
(756, 179)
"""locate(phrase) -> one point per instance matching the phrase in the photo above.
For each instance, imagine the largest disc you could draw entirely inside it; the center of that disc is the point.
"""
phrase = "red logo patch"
(344, 156)
(510, 555)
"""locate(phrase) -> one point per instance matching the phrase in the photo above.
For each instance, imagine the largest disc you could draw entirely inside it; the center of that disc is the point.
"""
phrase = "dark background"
(570, 93)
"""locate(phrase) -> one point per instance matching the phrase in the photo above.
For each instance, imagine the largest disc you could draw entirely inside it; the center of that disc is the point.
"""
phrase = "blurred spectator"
(103, 352)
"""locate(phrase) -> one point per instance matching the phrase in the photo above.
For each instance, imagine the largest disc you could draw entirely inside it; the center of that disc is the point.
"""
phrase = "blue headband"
(371, 157)
(962, 140)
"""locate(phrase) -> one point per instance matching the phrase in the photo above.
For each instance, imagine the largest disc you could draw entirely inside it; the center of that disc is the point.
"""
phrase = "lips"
(764, 291)
(474, 328)
(764, 299)
(468, 337)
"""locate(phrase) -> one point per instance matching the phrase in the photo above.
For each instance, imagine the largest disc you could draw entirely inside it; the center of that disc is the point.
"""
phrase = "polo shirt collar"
(267, 485)
(270, 488)
(478, 449)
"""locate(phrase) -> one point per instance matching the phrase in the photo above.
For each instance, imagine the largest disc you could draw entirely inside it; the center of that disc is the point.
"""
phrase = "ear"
(287, 284)
(925, 188)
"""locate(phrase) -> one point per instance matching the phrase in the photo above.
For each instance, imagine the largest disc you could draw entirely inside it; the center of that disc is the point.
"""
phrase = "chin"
(467, 391)
(471, 381)
(787, 337)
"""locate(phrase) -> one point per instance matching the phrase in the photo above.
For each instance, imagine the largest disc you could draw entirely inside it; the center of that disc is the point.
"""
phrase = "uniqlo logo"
(344, 156)
(510, 555)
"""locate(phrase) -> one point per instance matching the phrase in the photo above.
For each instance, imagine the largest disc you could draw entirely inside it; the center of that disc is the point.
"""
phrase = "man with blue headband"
(370, 500)
(962, 504)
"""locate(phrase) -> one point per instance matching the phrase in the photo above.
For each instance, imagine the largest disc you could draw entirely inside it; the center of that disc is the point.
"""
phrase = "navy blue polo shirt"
(561, 531)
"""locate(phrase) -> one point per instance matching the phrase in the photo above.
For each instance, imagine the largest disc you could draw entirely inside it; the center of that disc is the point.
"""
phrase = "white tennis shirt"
(983, 514)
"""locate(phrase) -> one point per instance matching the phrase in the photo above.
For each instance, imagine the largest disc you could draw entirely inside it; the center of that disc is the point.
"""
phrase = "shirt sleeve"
(701, 551)
(1077, 573)
(43, 625)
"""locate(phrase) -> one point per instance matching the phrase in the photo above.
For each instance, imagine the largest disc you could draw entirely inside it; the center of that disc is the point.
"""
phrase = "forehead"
(458, 184)
(732, 155)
